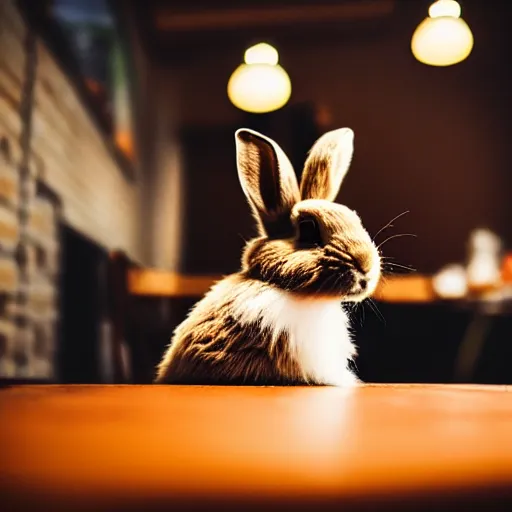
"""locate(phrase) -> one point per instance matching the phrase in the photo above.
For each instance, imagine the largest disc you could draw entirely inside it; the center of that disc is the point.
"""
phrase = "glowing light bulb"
(444, 8)
(259, 85)
(261, 53)
(442, 39)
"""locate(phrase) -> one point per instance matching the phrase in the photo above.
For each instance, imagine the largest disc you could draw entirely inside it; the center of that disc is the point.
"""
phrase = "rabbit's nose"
(363, 283)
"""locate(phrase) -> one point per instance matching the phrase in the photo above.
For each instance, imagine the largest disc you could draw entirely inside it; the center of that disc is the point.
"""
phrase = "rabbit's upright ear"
(327, 164)
(268, 181)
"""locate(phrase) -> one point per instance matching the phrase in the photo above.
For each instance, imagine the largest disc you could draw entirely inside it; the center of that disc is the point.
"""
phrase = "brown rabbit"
(280, 320)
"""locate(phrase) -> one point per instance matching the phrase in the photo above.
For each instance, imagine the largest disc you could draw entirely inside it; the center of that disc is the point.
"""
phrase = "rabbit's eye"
(309, 233)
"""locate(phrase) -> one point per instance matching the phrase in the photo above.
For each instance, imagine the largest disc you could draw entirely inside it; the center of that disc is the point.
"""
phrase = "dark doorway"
(83, 308)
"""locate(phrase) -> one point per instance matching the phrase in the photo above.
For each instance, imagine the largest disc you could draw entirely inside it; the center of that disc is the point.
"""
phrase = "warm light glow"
(124, 141)
(260, 85)
(443, 39)
(261, 53)
(444, 8)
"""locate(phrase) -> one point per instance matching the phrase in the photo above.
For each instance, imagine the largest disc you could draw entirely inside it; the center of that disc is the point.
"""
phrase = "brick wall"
(54, 166)
(12, 60)
(67, 149)
(73, 159)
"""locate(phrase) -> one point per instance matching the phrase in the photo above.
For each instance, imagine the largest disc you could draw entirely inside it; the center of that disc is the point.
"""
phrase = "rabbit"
(280, 320)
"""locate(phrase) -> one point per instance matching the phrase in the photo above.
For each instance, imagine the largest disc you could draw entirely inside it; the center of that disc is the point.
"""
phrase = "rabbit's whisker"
(397, 265)
(376, 309)
(358, 308)
(395, 236)
(389, 224)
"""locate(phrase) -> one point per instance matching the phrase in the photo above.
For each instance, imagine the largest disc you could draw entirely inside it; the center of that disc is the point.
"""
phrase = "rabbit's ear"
(268, 181)
(326, 165)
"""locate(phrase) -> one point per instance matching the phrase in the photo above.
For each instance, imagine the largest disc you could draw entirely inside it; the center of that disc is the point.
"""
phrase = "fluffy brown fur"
(219, 351)
(308, 247)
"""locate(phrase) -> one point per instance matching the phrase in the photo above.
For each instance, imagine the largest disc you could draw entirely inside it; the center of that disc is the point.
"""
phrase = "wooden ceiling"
(184, 27)
(252, 15)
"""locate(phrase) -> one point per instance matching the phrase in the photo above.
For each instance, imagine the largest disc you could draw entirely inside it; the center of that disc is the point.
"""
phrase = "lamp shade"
(260, 84)
(442, 39)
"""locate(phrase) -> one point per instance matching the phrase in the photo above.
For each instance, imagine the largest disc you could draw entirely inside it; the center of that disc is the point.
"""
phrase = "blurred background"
(119, 197)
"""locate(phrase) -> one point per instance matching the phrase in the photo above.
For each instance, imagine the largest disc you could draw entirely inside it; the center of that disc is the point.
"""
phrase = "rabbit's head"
(307, 244)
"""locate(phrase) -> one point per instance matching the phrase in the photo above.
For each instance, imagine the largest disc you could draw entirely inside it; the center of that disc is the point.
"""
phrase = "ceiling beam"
(173, 20)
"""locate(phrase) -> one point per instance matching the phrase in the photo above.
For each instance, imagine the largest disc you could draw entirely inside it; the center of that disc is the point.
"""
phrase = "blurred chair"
(119, 306)
(141, 323)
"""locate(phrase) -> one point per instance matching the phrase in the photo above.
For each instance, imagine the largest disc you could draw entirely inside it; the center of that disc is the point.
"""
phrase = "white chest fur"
(318, 331)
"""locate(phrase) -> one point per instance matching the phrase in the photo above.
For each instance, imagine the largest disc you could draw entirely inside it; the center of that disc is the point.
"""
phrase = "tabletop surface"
(143, 447)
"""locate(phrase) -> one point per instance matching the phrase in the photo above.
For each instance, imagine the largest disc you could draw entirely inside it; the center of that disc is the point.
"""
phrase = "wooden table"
(150, 282)
(148, 448)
